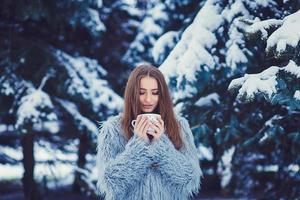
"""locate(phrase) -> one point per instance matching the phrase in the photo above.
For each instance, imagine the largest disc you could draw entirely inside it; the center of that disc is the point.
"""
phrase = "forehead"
(148, 83)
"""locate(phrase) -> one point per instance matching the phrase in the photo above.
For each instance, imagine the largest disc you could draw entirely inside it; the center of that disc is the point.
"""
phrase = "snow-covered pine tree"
(158, 18)
(154, 20)
(180, 14)
(40, 83)
(211, 51)
(122, 19)
(277, 142)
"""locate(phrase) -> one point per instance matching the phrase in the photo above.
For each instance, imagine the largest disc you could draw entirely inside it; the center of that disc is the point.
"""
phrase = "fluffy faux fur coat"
(141, 170)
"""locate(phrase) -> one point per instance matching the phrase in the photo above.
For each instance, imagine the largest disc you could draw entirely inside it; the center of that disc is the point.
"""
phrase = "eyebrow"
(146, 89)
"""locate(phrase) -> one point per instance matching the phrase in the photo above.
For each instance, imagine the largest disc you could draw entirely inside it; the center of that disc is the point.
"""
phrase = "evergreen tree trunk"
(29, 186)
(82, 151)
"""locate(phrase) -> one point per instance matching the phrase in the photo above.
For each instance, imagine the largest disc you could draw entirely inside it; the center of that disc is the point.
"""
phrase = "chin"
(153, 110)
(147, 111)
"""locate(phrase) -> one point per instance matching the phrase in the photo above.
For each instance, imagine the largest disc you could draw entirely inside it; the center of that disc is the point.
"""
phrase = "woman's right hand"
(141, 126)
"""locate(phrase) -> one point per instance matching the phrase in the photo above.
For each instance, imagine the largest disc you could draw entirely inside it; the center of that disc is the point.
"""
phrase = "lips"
(147, 106)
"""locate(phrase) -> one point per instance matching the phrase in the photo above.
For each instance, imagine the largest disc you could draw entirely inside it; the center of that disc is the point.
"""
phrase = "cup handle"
(133, 123)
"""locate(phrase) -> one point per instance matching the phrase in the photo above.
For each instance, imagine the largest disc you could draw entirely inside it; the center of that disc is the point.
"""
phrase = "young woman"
(131, 166)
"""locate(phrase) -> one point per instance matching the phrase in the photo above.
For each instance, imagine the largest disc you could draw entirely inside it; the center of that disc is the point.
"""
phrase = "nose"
(148, 98)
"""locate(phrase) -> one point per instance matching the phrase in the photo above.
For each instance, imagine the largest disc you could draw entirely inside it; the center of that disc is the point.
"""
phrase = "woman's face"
(148, 94)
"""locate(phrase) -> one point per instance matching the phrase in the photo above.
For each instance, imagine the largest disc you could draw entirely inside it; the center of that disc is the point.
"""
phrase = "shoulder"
(112, 123)
(114, 120)
(110, 133)
(183, 122)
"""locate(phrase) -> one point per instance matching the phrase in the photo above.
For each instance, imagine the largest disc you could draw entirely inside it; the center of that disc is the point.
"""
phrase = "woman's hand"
(159, 128)
(141, 127)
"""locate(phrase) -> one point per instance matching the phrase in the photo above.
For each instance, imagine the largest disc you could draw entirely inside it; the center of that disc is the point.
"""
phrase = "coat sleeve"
(119, 170)
(180, 168)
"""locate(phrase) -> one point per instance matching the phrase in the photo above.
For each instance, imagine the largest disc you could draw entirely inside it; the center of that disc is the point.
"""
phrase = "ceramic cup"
(152, 117)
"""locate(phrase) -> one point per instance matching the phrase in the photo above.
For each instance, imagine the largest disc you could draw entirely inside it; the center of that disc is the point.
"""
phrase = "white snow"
(14, 153)
(294, 168)
(236, 8)
(235, 56)
(49, 126)
(166, 41)
(3, 127)
(270, 121)
(99, 3)
(34, 108)
(191, 51)
(148, 31)
(267, 168)
(264, 3)
(297, 95)
(293, 68)
(44, 151)
(235, 45)
(11, 172)
(57, 174)
(208, 100)
(263, 27)
(84, 81)
(55, 165)
(9, 82)
(264, 82)
(196, 50)
(205, 153)
(92, 22)
(224, 166)
(6, 88)
(130, 2)
(251, 84)
(287, 34)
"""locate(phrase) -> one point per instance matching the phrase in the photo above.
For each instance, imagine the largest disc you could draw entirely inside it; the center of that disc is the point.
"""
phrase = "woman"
(131, 166)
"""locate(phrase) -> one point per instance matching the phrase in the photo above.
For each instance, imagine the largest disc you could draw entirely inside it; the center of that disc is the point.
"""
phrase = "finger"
(158, 124)
(145, 128)
(161, 122)
(156, 129)
(139, 119)
(142, 121)
(138, 127)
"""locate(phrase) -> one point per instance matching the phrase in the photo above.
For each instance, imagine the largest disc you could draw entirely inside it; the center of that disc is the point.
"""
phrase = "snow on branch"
(262, 27)
(265, 82)
(84, 80)
(191, 51)
(35, 109)
(288, 33)
(148, 32)
(93, 23)
(297, 95)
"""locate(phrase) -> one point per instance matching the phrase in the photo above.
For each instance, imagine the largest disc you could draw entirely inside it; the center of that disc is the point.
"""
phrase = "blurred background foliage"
(232, 68)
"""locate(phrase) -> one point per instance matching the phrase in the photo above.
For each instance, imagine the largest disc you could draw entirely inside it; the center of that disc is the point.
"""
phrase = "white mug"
(151, 116)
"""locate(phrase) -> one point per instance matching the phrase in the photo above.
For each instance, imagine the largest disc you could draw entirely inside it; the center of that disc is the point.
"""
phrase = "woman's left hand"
(159, 128)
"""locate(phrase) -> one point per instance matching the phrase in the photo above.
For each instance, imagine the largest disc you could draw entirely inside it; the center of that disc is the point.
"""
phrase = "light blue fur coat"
(141, 170)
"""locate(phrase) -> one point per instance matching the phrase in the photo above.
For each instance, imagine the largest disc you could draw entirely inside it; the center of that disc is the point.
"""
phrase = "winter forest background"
(233, 67)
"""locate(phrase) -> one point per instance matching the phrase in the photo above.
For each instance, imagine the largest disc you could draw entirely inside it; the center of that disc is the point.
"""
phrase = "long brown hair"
(132, 107)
